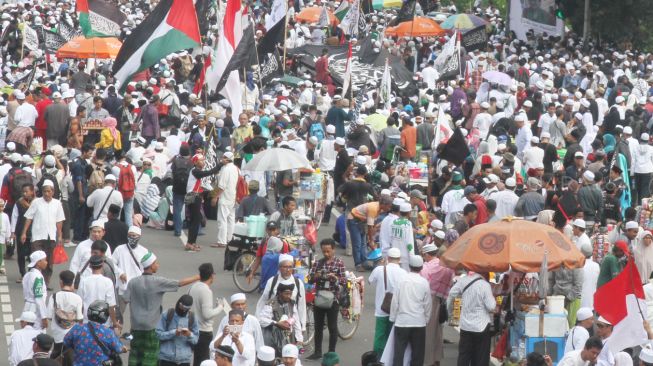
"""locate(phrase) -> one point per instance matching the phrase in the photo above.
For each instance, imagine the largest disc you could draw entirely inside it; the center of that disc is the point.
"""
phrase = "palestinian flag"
(172, 26)
(342, 10)
(99, 18)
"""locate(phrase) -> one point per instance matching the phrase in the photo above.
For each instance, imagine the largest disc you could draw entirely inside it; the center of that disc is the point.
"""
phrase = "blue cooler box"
(554, 347)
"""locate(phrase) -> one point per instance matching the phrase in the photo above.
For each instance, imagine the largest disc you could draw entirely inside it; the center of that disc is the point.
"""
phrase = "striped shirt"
(477, 303)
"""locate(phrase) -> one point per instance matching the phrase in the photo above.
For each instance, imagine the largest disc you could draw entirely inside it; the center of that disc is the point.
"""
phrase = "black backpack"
(39, 186)
(180, 169)
(20, 178)
(275, 279)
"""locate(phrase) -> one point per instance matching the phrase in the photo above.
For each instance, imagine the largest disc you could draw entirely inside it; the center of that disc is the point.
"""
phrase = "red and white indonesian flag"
(234, 22)
(621, 302)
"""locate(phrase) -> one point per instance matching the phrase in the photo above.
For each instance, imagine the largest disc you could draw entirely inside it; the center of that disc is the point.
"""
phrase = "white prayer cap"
(394, 253)
(27, 317)
(134, 229)
(208, 363)
(579, 223)
(148, 259)
(265, 354)
(397, 201)
(584, 313)
(290, 350)
(440, 234)
(340, 141)
(110, 177)
(416, 261)
(237, 297)
(646, 355)
(588, 176)
(405, 207)
(285, 258)
(428, 248)
(436, 224)
(48, 183)
(98, 223)
(632, 225)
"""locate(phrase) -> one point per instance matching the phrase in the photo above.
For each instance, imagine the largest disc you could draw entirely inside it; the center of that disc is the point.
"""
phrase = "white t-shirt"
(99, 196)
(227, 181)
(96, 287)
(573, 359)
(67, 301)
(576, 339)
(395, 275)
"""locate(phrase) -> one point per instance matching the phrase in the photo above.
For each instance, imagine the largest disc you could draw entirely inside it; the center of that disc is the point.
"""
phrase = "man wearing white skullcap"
(237, 338)
(281, 311)
(402, 237)
(45, 217)
(385, 230)
(145, 296)
(290, 355)
(440, 279)
(386, 279)
(579, 334)
(126, 258)
(35, 290)
(251, 324)
(410, 312)
(265, 356)
(285, 276)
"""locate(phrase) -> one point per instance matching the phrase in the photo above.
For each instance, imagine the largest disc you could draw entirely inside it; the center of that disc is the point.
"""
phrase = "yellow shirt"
(107, 141)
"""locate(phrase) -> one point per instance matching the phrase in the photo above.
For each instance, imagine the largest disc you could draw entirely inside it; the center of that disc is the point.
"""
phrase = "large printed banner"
(538, 15)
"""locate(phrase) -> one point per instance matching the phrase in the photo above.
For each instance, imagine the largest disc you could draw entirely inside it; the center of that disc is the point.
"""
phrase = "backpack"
(49, 176)
(170, 314)
(242, 189)
(275, 279)
(64, 319)
(96, 180)
(20, 178)
(317, 130)
(180, 170)
(126, 182)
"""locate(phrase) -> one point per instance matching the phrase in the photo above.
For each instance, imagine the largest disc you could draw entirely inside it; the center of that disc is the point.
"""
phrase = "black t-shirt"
(115, 233)
(342, 163)
(356, 191)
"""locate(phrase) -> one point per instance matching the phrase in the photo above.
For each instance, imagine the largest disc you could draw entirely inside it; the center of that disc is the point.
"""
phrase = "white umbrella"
(497, 77)
(277, 159)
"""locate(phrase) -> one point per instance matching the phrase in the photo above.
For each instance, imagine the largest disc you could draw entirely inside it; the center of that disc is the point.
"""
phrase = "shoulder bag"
(105, 203)
(114, 358)
(387, 298)
(324, 299)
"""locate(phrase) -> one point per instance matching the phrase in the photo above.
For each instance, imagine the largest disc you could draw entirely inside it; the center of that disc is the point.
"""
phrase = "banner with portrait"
(538, 15)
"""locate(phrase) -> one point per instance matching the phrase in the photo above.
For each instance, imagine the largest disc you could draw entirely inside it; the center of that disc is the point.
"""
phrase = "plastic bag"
(59, 255)
(310, 233)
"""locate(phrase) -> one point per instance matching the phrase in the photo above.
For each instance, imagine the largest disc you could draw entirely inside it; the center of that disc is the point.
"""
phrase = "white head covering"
(285, 257)
(148, 259)
(134, 229)
(290, 350)
(35, 257)
(237, 297)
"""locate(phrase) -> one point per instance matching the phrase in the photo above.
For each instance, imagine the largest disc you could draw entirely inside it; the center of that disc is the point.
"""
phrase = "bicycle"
(348, 322)
(245, 256)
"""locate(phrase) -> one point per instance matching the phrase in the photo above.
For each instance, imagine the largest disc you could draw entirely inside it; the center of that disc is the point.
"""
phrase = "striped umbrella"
(463, 21)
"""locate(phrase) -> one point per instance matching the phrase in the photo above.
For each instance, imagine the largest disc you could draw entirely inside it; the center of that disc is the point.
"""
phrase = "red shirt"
(42, 104)
(260, 252)
(481, 218)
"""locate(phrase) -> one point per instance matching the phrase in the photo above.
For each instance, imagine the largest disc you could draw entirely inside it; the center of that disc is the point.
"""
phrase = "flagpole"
(22, 44)
(285, 36)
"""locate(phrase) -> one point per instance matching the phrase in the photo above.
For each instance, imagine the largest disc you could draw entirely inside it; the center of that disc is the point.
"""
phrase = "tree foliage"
(621, 22)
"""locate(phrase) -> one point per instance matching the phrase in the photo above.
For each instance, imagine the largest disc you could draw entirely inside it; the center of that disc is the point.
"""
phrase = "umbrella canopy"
(80, 47)
(463, 21)
(418, 27)
(377, 121)
(515, 243)
(497, 77)
(384, 4)
(277, 159)
(312, 15)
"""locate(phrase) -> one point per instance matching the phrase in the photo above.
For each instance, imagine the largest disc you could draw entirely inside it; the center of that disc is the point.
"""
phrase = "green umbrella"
(377, 121)
(290, 80)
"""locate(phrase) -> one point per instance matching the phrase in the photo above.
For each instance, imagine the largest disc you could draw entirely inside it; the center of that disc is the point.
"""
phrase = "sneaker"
(3, 271)
(69, 244)
(177, 234)
(315, 356)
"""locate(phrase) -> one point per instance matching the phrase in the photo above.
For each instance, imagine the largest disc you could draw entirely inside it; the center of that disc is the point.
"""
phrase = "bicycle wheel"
(241, 270)
(309, 333)
(347, 324)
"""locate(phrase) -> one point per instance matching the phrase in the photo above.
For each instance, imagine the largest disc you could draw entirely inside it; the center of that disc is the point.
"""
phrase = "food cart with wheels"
(524, 252)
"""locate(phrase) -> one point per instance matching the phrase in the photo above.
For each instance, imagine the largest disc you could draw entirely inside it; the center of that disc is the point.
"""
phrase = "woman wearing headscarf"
(110, 136)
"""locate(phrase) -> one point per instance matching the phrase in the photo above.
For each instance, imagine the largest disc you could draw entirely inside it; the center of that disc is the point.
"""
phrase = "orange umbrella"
(418, 27)
(312, 15)
(80, 47)
(515, 243)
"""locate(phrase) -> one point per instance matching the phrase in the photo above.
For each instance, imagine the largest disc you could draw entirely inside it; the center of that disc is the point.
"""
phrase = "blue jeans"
(358, 240)
(128, 210)
(177, 206)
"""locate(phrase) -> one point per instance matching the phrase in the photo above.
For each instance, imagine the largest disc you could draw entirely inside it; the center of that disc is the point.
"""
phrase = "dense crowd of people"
(566, 143)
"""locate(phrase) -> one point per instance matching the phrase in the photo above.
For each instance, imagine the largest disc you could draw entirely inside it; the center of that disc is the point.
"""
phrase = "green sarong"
(381, 333)
(572, 308)
(144, 348)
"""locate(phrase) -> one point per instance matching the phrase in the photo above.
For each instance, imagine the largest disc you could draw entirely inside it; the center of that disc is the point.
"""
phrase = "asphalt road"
(176, 264)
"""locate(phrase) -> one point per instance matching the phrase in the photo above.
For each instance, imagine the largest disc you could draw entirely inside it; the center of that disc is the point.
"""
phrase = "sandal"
(218, 245)
(189, 248)
(19, 280)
